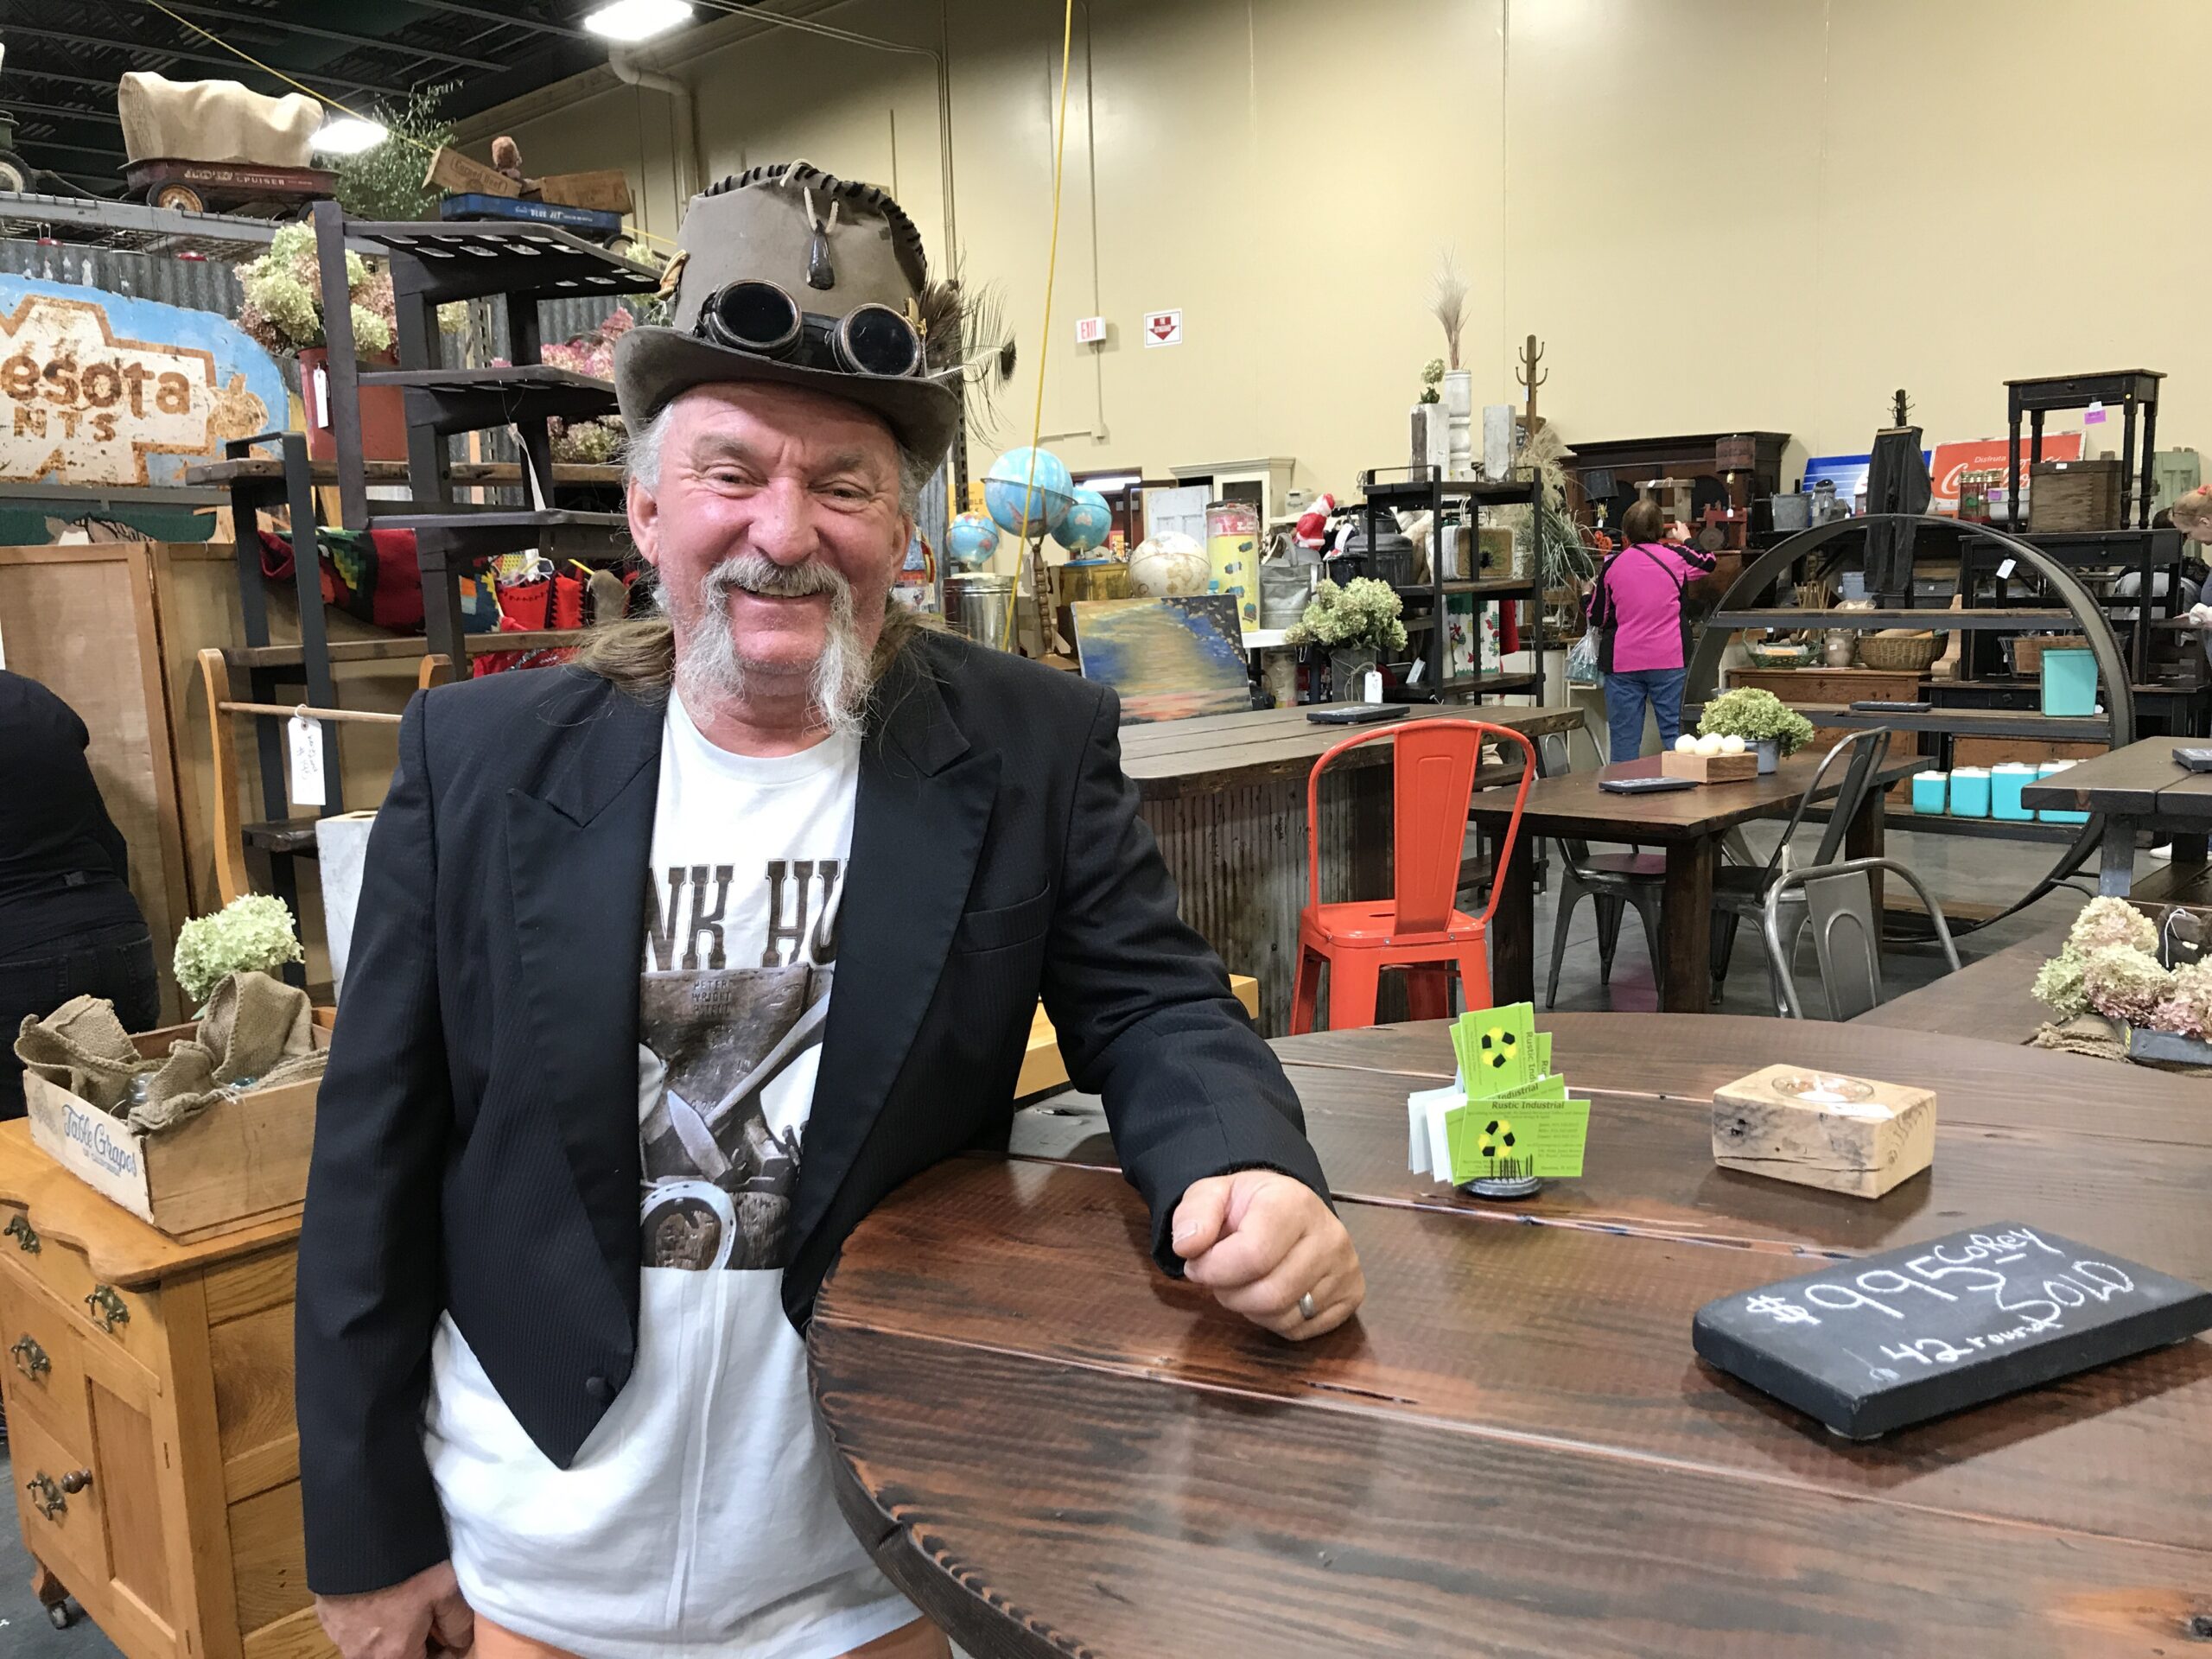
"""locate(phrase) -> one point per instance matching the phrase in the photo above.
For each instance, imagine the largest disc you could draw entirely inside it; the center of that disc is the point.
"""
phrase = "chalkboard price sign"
(1880, 1342)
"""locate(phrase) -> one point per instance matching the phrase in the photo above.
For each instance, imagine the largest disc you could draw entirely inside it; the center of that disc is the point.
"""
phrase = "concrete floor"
(1953, 866)
(1991, 872)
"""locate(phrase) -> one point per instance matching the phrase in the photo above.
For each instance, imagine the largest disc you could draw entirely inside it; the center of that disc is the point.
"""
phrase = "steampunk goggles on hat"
(761, 318)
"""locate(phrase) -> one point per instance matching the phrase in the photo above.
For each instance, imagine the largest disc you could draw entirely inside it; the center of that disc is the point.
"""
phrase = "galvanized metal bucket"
(982, 608)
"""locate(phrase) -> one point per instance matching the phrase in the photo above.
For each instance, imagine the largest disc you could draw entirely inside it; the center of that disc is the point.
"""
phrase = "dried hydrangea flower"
(2189, 1009)
(2058, 985)
(2112, 921)
(2124, 984)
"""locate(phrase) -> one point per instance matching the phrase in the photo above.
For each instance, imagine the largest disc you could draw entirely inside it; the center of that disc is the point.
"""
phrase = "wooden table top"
(1989, 999)
(1513, 1449)
(1573, 805)
(1213, 752)
(2141, 780)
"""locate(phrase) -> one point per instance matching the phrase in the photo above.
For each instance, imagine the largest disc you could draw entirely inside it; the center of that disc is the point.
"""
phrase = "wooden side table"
(148, 1391)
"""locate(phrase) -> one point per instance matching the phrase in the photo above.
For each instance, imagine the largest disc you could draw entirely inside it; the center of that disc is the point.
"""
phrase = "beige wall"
(1716, 213)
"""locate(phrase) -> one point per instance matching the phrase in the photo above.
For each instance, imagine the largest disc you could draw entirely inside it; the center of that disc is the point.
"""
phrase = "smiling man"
(670, 965)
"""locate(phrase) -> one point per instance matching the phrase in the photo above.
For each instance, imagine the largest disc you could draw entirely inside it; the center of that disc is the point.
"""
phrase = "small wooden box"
(1710, 768)
(240, 1160)
(1844, 1135)
(452, 171)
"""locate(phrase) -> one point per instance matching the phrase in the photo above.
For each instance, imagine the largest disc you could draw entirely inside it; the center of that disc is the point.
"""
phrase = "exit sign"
(1090, 331)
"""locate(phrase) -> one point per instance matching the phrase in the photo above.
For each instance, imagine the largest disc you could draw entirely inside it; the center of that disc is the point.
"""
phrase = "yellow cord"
(1051, 271)
(343, 109)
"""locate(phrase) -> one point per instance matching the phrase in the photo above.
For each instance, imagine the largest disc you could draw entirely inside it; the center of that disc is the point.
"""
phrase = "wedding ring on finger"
(1306, 1308)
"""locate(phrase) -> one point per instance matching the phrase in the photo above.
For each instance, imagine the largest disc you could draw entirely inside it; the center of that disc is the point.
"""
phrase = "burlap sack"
(80, 1046)
(214, 121)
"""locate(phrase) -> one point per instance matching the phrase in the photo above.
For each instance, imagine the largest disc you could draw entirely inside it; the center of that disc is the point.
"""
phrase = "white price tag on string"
(320, 379)
(2005, 571)
(306, 737)
(1371, 689)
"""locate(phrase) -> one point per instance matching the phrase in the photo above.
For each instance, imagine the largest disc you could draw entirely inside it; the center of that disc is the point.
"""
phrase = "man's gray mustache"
(756, 573)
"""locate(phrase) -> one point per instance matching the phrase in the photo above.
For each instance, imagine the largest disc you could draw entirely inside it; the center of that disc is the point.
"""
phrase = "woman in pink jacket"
(1643, 637)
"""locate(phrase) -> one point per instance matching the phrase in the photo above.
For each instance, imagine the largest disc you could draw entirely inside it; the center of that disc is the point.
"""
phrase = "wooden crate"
(605, 189)
(1710, 768)
(241, 1160)
(2074, 495)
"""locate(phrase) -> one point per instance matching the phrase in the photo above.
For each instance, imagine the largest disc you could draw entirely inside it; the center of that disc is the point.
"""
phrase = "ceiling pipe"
(688, 181)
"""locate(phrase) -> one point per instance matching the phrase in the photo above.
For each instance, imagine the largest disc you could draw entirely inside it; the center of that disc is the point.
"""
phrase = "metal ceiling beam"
(21, 71)
(268, 20)
(38, 145)
(17, 106)
(186, 54)
(532, 23)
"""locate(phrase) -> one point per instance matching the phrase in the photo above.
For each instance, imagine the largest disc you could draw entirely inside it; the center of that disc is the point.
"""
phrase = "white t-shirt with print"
(697, 1521)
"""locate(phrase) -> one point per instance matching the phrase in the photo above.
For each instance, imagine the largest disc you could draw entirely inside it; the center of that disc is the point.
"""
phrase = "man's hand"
(424, 1615)
(1259, 1240)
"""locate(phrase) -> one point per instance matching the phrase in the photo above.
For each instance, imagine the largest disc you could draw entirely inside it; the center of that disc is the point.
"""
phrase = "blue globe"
(970, 540)
(1048, 496)
(1086, 522)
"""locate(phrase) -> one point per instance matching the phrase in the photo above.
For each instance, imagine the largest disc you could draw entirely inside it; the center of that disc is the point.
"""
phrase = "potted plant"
(1355, 623)
(282, 310)
(1764, 723)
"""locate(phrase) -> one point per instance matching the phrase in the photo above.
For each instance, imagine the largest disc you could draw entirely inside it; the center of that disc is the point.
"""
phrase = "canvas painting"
(1169, 658)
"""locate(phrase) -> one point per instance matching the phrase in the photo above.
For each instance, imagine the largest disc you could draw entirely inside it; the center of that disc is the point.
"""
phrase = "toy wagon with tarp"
(216, 146)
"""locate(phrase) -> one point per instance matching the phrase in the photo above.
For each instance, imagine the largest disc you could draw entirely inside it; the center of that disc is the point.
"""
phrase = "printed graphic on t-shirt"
(726, 1017)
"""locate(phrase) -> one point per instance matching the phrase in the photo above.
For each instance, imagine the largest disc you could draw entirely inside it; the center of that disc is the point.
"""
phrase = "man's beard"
(711, 668)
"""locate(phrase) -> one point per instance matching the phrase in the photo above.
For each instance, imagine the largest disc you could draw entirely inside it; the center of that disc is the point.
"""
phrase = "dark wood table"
(1687, 823)
(2139, 787)
(1989, 999)
(1055, 1450)
(1225, 796)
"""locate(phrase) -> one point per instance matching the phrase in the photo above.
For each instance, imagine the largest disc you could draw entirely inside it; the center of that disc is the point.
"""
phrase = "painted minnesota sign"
(101, 388)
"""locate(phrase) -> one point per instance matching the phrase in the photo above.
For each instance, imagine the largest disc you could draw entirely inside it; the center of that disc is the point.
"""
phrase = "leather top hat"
(790, 275)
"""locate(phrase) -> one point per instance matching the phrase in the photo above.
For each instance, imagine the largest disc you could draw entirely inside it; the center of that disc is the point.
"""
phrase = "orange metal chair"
(1416, 928)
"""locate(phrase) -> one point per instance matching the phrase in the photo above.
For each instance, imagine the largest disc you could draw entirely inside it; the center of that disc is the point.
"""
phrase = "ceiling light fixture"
(349, 134)
(631, 21)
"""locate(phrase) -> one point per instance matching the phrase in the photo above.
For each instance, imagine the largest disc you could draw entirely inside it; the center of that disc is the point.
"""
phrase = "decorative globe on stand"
(1169, 565)
(1024, 506)
(970, 540)
(1086, 523)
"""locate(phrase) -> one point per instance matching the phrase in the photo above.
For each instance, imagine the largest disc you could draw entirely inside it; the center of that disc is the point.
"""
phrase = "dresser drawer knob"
(30, 1358)
(107, 1309)
(26, 1237)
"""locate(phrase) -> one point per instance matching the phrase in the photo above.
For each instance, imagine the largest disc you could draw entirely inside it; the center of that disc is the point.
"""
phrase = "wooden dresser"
(148, 1389)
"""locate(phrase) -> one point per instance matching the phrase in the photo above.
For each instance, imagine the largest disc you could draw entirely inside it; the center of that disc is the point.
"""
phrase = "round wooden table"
(1054, 1449)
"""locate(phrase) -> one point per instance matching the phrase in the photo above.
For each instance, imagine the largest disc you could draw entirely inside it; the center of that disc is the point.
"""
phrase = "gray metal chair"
(1838, 900)
(1740, 890)
(1611, 881)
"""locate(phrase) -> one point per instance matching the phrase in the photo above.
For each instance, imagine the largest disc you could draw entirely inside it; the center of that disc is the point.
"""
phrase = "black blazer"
(476, 1146)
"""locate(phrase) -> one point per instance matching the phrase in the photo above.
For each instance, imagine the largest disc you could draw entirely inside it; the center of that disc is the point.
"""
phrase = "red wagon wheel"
(183, 197)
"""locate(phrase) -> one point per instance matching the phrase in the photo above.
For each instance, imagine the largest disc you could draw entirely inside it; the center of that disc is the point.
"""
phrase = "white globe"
(1169, 565)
